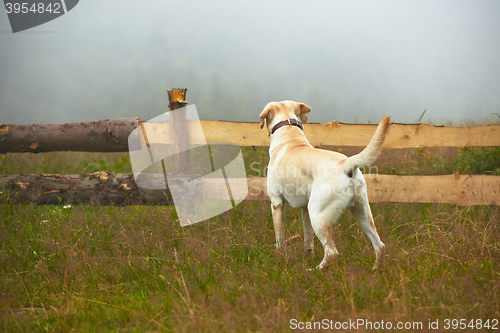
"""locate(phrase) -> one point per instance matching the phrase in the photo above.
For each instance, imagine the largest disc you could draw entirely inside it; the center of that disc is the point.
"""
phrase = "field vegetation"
(134, 269)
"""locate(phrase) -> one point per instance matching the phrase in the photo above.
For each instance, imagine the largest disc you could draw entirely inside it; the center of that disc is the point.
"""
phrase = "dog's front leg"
(308, 231)
(279, 222)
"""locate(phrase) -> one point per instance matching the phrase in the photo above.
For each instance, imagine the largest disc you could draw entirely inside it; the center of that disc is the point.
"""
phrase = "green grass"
(134, 268)
(476, 160)
(64, 163)
(95, 269)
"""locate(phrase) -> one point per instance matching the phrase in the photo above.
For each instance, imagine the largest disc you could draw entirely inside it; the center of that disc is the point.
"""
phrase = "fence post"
(177, 100)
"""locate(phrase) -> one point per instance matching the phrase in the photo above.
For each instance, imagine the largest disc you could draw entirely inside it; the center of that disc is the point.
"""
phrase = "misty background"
(351, 61)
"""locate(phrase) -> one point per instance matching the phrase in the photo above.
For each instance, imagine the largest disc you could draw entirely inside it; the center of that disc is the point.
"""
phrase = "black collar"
(293, 122)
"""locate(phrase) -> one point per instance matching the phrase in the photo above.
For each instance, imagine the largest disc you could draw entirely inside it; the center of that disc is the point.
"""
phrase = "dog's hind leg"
(322, 222)
(308, 231)
(363, 215)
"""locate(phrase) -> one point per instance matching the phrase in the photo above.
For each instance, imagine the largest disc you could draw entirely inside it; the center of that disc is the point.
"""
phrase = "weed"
(478, 160)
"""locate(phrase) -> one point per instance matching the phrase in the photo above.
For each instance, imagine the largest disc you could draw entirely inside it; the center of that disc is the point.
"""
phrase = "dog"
(322, 183)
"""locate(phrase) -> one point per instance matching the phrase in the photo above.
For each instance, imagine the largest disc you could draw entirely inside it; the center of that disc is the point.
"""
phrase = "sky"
(350, 61)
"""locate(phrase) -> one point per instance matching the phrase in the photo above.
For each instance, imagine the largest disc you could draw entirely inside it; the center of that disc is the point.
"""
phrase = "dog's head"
(275, 112)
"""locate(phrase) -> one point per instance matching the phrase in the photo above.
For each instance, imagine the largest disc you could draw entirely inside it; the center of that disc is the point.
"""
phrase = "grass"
(90, 268)
(84, 268)
(64, 163)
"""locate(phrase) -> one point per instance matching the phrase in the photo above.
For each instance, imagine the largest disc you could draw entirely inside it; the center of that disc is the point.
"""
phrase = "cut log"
(110, 135)
(99, 188)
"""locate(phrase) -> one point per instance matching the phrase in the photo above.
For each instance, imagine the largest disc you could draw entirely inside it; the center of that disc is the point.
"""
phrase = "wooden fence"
(112, 135)
(120, 189)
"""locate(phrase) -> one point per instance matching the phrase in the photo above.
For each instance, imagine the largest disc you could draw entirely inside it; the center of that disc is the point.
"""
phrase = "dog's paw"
(281, 248)
(320, 267)
(281, 252)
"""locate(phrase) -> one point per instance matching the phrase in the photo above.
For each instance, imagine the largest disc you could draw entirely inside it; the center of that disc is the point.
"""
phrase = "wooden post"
(177, 101)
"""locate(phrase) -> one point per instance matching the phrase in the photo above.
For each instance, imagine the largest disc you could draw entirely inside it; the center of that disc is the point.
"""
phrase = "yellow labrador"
(323, 183)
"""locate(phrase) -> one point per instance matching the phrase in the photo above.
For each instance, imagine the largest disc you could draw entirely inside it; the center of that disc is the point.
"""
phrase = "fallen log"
(99, 189)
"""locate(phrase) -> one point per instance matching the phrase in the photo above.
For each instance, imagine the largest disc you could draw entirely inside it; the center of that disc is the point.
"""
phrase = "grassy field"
(84, 268)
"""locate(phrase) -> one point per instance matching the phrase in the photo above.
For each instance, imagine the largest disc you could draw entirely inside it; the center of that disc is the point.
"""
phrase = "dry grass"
(134, 268)
(101, 269)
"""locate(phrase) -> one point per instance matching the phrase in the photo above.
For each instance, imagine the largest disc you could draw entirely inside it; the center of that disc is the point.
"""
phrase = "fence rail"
(120, 189)
(112, 135)
(457, 189)
(103, 188)
(338, 134)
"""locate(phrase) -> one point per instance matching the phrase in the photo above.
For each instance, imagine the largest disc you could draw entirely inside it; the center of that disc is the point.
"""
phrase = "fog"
(351, 61)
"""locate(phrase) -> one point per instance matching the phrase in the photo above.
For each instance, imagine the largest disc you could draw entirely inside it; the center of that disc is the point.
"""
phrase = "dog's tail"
(371, 152)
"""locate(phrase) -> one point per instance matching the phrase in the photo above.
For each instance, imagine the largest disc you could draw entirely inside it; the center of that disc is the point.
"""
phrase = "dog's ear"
(264, 114)
(303, 112)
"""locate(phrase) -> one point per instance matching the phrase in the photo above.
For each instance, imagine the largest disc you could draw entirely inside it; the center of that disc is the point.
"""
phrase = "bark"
(100, 188)
(110, 135)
